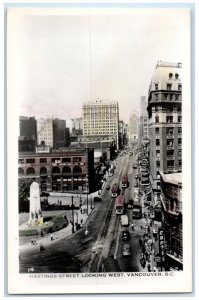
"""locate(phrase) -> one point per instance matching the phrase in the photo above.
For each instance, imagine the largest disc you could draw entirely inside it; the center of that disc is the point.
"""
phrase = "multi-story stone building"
(58, 170)
(133, 126)
(143, 120)
(45, 131)
(101, 121)
(171, 200)
(165, 121)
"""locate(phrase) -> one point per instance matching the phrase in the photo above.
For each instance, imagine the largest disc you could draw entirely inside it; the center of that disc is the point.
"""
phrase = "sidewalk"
(43, 241)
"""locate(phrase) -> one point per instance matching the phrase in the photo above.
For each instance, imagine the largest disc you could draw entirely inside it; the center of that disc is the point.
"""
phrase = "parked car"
(126, 235)
(97, 199)
(126, 250)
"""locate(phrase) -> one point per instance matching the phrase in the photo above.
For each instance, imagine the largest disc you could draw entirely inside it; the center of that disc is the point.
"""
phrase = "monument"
(35, 217)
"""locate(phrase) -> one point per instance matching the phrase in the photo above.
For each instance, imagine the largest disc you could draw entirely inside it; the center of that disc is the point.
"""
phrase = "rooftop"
(174, 178)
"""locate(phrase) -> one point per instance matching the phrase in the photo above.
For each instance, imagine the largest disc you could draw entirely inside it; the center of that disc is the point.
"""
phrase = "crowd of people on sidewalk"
(147, 243)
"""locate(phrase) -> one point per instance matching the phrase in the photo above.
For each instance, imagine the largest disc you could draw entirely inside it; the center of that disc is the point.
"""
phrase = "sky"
(59, 59)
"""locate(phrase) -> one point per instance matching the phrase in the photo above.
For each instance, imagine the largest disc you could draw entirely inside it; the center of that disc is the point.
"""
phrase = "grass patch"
(28, 232)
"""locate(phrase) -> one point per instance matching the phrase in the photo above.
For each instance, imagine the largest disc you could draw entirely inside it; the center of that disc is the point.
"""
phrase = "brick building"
(58, 170)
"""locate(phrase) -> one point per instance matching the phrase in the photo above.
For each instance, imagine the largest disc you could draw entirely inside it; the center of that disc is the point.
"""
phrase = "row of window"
(169, 130)
(169, 119)
(55, 170)
(170, 142)
(53, 160)
(169, 153)
(169, 86)
(170, 163)
(169, 97)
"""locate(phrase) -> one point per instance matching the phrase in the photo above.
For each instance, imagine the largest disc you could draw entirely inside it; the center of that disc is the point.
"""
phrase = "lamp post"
(91, 203)
(72, 216)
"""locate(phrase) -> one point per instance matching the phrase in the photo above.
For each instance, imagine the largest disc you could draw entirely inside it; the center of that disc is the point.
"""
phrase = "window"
(157, 142)
(156, 97)
(170, 152)
(170, 75)
(179, 119)
(169, 130)
(179, 141)
(180, 162)
(30, 160)
(179, 129)
(157, 119)
(156, 86)
(176, 97)
(179, 152)
(158, 153)
(179, 87)
(176, 76)
(169, 142)
(77, 159)
(169, 119)
(43, 160)
(157, 163)
(21, 161)
(157, 130)
(170, 163)
(169, 87)
(66, 159)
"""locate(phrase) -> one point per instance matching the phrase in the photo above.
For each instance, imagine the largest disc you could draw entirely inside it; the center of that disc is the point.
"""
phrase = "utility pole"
(72, 216)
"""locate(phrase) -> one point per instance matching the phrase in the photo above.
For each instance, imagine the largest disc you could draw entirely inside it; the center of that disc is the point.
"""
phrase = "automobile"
(135, 184)
(126, 235)
(135, 166)
(107, 187)
(126, 250)
(136, 176)
(97, 199)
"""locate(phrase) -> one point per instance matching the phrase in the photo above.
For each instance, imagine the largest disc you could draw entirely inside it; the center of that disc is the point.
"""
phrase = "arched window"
(43, 171)
(176, 76)
(170, 75)
(66, 170)
(30, 171)
(20, 171)
(77, 170)
(56, 170)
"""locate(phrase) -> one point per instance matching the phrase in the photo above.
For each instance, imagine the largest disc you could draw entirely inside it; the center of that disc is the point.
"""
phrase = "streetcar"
(115, 190)
(125, 181)
(120, 205)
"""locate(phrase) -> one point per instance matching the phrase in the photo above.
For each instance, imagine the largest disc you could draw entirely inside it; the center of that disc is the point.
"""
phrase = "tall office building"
(143, 106)
(165, 121)
(59, 133)
(27, 127)
(101, 120)
(27, 134)
(133, 126)
(45, 131)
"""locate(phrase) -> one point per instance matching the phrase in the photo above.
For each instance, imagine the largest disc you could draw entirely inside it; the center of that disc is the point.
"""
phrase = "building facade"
(59, 133)
(45, 131)
(165, 121)
(77, 126)
(133, 126)
(171, 200)
(27, 127)
(58, 170)
(101, 120)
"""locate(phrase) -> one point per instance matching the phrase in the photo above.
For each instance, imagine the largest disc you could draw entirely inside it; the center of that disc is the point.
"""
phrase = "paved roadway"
(75, 252)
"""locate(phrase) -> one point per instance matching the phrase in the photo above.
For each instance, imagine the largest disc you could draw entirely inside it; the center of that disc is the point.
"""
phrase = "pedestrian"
(51, 237)
(32, 241)
(42, 234)
(132, 226)
(149, 267)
